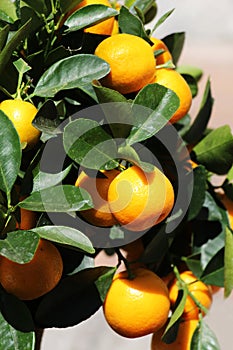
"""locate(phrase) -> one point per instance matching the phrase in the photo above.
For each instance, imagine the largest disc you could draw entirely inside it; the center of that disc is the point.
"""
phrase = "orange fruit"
(199, 290)
(183, 339)
(136, 307)
(229, 207)
(131, 61)
(35, 278)
(22, 113)
(102, 28)
(139, 200)
(27, 219)
(174, 81)
(100, 214)
(160, 45)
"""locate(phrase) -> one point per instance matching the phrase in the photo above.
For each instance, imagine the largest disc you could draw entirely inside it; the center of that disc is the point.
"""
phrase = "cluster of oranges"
(141, 304)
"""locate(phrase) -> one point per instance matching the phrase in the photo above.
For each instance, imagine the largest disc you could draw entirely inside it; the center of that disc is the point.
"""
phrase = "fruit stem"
(38, 333)
(121, 258)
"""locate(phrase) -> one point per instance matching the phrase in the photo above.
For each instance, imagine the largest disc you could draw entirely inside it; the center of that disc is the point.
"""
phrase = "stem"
(131, 275)
(38, 333)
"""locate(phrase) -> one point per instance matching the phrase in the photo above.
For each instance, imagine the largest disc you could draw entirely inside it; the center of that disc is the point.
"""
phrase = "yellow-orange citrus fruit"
(229, 207)
(136, 307)
(102, 28)
(199, 290)
(100, 214)
(174, 81)
(22, 113)
(27, 219)
(115, 29)
(160, 45)
(183, 339)
(139, 200)
(35, 278)
(131, 60)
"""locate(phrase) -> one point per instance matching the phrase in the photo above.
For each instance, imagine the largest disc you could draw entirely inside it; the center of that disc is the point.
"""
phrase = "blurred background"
(209, 46)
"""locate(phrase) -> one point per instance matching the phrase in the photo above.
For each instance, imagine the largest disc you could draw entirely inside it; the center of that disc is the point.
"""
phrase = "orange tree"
(70, 107)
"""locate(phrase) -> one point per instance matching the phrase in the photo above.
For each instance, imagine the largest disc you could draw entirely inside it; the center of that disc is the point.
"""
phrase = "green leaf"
(116, 233)
(214, 271)
(228, 263)
(72, 72)
(3, 36)
(68, 5)
(9, 10)
(42, 180)
(74, 299)
(156, 249)
(175, 43)
(11, 339)
(12, 44)
(19, 246)
(39, 6)
(214, 212)
(141, 8)
(89, 145)
(215, 151)
(104, 281)
(117, 111)
(152, 108)
(87, 16)
(58, 199)
(191, 83)
(131, 24)
(65, 235)
(162, 19)
(130, 154)
(16, 312)
(21, 66)
(204, 338)
(211, 248)
(10, 154)
(181, 300)
(199, 125)
(195, 72)
(198, 193)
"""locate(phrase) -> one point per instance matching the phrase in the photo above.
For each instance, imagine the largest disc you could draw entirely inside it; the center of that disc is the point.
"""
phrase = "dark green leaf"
(198, 193)
(3, 36)
(191, 83)
(130, 154)
(162, 19)
(58, 199)
(21, 66)
(65, 235)
(199, 125)
(16, 312)
(19, 246)
(214, 271)
(72, 72)
(87, 16)
(117, 111)
(39, 6)
(74, 299)
(214, 212)
(194, 264)
(204, 338)
(104, 281)
(89, 145)
(68, 5)
(175, 43)
(131, 24)
(152, 108)
(211, 248)
(228, 263)
(10, 154)
(156, 249)
(215, 151)
(144, 9)
(12, 44)
(11, 339)
(43, 180)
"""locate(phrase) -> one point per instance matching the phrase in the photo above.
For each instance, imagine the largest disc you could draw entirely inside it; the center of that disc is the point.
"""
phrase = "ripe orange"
(22, 113)
(136, 307)
(199, 290)
(174, 81)
(139, 200)
(35, 278)
(104, 27)
(97, 187)
(183, 339)
(131, 61)
(27, 219)
(163, 57)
